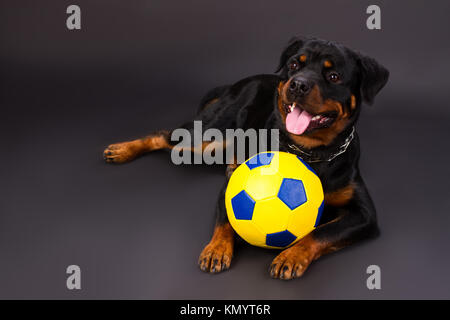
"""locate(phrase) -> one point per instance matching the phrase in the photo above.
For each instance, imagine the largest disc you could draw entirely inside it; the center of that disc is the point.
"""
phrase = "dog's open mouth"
(299, 121)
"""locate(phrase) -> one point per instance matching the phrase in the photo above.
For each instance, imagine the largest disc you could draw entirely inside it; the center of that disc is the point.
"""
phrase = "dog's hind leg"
(211, 97)
(126, 151)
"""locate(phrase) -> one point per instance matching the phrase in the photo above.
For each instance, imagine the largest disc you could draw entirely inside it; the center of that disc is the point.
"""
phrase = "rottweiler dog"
(314, 99)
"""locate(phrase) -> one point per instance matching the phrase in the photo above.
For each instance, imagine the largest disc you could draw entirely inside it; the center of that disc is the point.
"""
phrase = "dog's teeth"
(315, 118)
(291, 107)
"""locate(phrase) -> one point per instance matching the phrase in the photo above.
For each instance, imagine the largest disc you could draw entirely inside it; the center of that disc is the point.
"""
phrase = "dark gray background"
(136, 230)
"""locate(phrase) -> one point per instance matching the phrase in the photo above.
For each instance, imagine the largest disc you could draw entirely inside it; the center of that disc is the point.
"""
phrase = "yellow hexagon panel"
(303, 219)
(262, 186)
(249, 231)
(271, 215)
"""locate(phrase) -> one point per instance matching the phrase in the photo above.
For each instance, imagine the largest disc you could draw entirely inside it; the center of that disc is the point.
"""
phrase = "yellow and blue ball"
(274, 199)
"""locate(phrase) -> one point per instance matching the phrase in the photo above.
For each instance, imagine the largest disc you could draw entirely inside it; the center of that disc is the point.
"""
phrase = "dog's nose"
(299, 87)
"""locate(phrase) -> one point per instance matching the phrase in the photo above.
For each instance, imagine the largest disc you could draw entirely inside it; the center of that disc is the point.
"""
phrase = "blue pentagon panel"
(292, 193)
(243, 206)
(280, 239)
(259, 160)
(319, 215)
(307, 165)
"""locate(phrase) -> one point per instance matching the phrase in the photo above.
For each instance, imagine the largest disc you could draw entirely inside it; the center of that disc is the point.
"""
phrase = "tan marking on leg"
(217, 254)
(341, 196)
(293, 262)
(210, 102)
(126, 151)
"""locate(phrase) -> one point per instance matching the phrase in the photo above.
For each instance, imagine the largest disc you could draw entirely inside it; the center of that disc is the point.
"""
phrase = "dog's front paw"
(291, 263)
(122, 152)
(216, 256)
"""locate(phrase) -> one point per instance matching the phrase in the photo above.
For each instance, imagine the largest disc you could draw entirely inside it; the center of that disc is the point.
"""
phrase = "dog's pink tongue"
(297, 121)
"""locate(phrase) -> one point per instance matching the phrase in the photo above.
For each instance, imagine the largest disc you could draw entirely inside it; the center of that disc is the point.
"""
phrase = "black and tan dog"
(314, 100)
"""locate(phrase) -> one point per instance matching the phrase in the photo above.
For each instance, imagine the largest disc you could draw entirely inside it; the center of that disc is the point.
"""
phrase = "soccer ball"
(274, 199)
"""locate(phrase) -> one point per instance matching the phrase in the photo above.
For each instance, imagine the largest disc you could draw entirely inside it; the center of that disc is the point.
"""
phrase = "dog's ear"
(294, 44)
(373, 77)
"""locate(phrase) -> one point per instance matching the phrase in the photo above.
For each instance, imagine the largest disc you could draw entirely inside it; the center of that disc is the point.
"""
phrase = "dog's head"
(323, 87)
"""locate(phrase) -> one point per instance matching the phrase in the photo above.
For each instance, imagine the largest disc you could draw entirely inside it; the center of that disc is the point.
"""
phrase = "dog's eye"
(293, 66)
(333, 77)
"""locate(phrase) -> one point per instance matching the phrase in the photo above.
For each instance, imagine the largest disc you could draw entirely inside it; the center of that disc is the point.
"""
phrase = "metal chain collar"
(342, 148)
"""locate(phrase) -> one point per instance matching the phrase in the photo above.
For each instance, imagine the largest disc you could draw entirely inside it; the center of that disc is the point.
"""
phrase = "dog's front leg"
(356, 220)
(217, 254)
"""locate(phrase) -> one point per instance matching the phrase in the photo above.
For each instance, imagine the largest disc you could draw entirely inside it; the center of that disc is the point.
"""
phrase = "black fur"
(251, 103)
